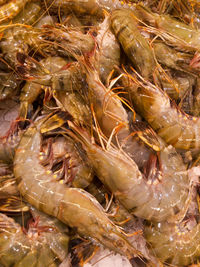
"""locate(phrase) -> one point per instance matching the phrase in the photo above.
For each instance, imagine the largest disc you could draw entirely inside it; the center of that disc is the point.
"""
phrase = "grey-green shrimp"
(108, 52)
(11, 9)
(172, 124)
(124, 24)
(165, 193)
(32, 89)
(174, 244)
(45, 243)
(176, 33)
(73, 206)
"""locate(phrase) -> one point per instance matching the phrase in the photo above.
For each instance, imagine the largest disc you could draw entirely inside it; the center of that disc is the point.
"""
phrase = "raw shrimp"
(137, 48)
(8, 146)
(28, 15)
(174, 244)
(108, 52)
(69, 42)
(91, 7)
(176, 33)
(11, 9)
(8, 85)
(107, 107)
(173, 59)
(165, 193)
(31, 90)
(73, 206)
(74, 169)
(45, 244)
(174, 126)
(113, 120)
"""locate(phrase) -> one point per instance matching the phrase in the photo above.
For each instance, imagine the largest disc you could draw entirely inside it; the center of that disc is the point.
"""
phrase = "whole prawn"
(73, 206)
(165, 192)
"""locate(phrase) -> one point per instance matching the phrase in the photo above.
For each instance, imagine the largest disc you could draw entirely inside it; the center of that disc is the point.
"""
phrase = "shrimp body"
(174, 126)
(108, 54)
(177, 33)
(166, 198)
(73, 206)
(167, 56)
(11, 9)
(91, 7)
(173, 243)
(31, 90)
(37, 247)
(124, 25)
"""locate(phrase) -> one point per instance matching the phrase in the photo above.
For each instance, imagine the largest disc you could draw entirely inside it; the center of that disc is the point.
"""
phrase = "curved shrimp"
(124, 25)
(174, 244)
(73, 206)
(45, 243)
(165, 191)
(174, 126)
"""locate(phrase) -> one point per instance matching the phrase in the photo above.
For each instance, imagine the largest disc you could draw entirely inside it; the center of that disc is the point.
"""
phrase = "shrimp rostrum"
(72, 206)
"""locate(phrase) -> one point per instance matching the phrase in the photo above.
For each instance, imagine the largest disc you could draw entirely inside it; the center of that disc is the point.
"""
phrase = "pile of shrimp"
(101, 102)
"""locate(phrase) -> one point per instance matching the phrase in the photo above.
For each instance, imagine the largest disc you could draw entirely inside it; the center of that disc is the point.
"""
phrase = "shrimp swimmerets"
(73, 206)
(165, 196)
(45, 244)
(174, 244)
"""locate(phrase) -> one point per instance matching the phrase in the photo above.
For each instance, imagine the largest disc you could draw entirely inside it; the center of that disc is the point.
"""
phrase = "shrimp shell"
(173, 243)
(166, 198)
(177, 33)
(11, 9)
(37, 247)
(173, 125)
(73, 206)
(137, 48)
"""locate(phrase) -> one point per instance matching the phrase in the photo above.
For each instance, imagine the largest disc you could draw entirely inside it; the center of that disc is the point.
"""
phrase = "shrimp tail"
(55, 121)
(29, 68)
